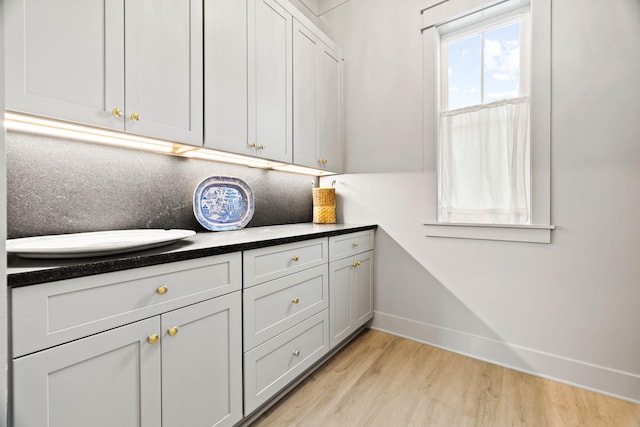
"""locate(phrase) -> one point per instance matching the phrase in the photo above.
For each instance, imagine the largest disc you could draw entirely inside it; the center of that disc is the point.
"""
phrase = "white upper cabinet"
(225, 65)
(70, 60)
(163, 78)
(317, 101)
(270, 81)
(247, 60)
(305, 93)
(66, 59)
(329, 112)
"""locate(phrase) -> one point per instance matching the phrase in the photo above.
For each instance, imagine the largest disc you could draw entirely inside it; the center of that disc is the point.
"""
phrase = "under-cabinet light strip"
(40, 126)
(37, 125)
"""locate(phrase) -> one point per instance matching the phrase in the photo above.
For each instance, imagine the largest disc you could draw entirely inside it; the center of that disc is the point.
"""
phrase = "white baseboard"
(611, 382)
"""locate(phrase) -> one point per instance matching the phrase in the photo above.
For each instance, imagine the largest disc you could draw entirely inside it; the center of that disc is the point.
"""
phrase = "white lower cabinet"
(163, 345)
(273, 365)
(286, 318)
(173, 359)
(182, 368)
(274, 307)
(350, 295)
(202, 364)
(109, 379)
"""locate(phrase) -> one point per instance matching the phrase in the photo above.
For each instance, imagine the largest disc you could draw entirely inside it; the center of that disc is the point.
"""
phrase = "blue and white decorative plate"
(222, 203)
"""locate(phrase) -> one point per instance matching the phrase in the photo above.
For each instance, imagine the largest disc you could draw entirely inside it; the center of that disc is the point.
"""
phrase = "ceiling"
(319, 7)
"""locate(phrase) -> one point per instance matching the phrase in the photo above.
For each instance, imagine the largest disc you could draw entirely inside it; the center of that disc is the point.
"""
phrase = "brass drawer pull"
(356, 264)
(153, 338)
(295, 258)
(162, 290)
(173, 331)
(295, 300)
(356, 244)
(296, 353)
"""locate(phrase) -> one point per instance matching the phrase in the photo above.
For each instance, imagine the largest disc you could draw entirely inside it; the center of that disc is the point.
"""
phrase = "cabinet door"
(317, 101)
(270, 82)
(305, 68)
(66, 59)
(350, 295)
(202, 363)
(109, 379)
(362, 288)
(329, 110)
(164, 69)
(341, 323)
(225, 68)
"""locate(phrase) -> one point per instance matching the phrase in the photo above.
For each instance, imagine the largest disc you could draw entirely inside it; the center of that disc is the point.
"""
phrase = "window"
(483, 161)
(487, 120)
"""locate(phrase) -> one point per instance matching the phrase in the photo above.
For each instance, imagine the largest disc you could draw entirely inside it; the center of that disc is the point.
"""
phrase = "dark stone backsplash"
(57, 186)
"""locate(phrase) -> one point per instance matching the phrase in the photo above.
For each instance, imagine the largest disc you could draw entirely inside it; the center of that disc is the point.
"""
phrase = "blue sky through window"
(501, 64)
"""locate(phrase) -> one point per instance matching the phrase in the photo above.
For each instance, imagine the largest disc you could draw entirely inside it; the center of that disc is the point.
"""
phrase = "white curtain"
(484, 164)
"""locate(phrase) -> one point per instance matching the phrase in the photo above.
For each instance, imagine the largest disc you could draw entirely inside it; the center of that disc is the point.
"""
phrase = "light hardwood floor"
(383, 380)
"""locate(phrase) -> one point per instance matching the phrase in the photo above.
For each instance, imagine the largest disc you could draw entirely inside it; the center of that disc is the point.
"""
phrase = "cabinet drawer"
(350, 244)
(264, 264)
(53, 313)
(273, 307)
(274, 364)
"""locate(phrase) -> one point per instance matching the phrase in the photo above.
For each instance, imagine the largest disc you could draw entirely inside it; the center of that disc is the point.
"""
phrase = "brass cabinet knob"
(153, 338)
(295, 258)
(162, 290)
(295, 300)
(260, 147)
(323, 161)
(173, 331)
(135, 116)
(356, 244)
(253, 145)
(296, 353)
(356, 264)
(117, 112)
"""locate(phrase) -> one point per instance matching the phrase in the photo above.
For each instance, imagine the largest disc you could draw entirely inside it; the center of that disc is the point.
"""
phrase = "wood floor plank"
(383, 380)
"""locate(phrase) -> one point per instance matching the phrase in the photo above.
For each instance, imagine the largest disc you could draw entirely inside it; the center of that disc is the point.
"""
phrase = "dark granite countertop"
(23, 271)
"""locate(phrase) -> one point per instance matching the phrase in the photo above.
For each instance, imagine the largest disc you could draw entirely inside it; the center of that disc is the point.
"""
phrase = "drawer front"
(273, 307)
(264, 264)
(274, 364)
(350, 244)
(53, 313)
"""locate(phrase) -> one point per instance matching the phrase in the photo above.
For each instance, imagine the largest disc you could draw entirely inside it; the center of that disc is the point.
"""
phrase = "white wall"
(568, 310)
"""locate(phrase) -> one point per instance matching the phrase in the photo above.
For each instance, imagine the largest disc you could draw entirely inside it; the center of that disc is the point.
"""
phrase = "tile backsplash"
(57, 186)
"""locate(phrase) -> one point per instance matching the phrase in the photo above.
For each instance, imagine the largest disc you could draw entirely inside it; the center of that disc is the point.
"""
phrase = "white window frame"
(451, 13)
(456, 34)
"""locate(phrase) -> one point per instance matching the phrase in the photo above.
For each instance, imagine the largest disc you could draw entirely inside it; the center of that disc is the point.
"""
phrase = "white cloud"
(450, 70)
(502, 57)
(473, 90)
(454, 89)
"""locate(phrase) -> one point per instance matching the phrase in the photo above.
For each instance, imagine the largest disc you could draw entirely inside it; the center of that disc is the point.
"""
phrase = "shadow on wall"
(57, 186)
(410, 302)
(424, 301)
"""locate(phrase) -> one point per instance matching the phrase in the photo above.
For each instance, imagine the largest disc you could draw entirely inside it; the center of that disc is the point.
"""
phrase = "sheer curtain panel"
(485, 164)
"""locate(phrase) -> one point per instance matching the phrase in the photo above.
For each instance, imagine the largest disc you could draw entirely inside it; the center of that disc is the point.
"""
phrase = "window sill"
(509, 233)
